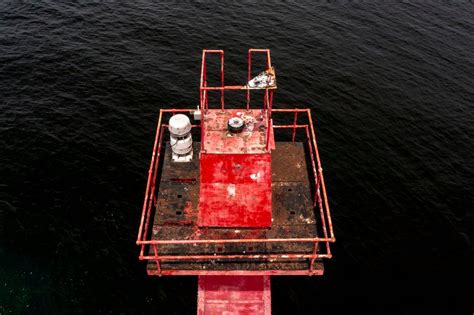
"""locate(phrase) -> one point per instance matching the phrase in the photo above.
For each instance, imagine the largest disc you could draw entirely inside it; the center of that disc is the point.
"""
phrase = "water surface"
(391, 87)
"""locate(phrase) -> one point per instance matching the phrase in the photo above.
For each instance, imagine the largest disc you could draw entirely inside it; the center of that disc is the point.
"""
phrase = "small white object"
(231, 190)
(181, 140)
(263, 80)
(255, 176)
(197, 114)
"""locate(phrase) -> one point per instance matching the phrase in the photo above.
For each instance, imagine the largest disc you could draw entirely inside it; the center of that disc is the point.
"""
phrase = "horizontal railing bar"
(226, 87)
(226, 153)
(273, 110)
(250, 240)
(215, 51)
(213, 257)
(234, 87)
(289, 110)
(259, 50)
(177, 110)
(289, 126)
(192, 126)
(267, 272)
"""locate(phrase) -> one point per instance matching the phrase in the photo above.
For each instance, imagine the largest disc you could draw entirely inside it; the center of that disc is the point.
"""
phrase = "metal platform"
(250, 203)
(293, 217)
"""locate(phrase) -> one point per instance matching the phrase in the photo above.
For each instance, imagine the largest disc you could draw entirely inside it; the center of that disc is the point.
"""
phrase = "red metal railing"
(204, 88)
(320, 202)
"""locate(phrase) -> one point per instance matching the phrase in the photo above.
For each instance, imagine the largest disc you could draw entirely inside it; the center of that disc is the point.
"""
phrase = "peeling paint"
(231, 190)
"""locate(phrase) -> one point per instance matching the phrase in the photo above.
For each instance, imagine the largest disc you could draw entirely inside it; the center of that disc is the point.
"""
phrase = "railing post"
(265, 100)
(315, 251)
(270, 103)
(270, 125)
(155, 253)
(294, 126)
(269, 61)
(249, 73)
(222, 80)
(202, 130)
(202, 81)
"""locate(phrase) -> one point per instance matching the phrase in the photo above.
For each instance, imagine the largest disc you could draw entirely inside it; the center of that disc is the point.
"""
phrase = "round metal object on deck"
(235, 124)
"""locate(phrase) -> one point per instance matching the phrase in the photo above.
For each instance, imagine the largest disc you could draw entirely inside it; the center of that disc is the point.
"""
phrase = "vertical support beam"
(294, 126)
(206, 105)
(155, 254)
(202, 80)
(269, 133)
(222, 80)
(203, 115)
(249, 75)
(315, 252)
(265, 100)
(271, 101)
(269, 60)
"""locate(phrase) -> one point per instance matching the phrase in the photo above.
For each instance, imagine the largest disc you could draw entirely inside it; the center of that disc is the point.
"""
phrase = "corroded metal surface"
(218, 139)
(293, 217)
(185, 171)
(289, 163)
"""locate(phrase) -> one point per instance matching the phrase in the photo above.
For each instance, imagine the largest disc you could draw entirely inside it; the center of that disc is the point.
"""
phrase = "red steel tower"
(235, 196)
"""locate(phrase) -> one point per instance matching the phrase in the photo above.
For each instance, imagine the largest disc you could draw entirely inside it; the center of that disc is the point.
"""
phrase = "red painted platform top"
(219, 140)
(235, 168)
(235, 190)
(234, 295)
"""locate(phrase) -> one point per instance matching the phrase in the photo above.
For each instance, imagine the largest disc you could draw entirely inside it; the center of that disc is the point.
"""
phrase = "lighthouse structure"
(235, 195)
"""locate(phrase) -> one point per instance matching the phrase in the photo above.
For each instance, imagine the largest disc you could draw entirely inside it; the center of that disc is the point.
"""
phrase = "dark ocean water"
(392, 89)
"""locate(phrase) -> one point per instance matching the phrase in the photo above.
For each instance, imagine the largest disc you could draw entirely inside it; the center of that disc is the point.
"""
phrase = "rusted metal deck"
(251, 141)
(293, 216)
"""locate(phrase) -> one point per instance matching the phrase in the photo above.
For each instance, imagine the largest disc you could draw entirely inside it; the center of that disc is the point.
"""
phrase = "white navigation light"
(180, 138)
